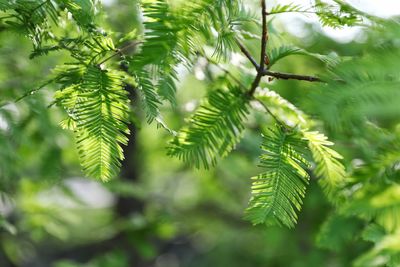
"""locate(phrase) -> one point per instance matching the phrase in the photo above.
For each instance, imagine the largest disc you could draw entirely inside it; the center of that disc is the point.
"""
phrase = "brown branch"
(227, 72)
(247, 54)
(271, 113)
(290, 76)
(262, 67)
(264, 39)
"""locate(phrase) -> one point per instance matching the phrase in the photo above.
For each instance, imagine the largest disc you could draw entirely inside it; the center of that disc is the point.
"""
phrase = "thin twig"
(29, 93)
(247, 53)
(119, 52)
(290, 76)
(227, 72)
(255, 84)
(261, 68)
(264, 39)
(270, 113)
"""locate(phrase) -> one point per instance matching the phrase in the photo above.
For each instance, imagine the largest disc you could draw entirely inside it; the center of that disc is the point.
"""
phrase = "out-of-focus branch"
(290, 76)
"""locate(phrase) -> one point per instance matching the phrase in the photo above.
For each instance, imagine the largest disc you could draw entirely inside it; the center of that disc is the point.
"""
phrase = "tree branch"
(262, 67)
(264, 39)
(289, 76)
(227, 72)
(271, 113)
(247, 54)
(119, 52)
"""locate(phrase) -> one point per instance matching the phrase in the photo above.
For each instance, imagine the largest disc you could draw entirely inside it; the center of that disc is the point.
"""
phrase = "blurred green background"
(159, 212)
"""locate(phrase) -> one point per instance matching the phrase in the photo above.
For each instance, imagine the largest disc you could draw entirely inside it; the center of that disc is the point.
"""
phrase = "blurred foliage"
(168, 55)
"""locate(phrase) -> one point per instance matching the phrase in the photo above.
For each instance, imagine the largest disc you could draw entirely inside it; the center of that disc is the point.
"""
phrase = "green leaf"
(98, 108)
(166, 85)
(279, 8)
(337, 16)
(338, 231)
(5, 4)
(81, 10)
(373, 233)
(154, 65)
(278, 53)
(379, 203)
(384, 253)
(214, 130)
(148, 95)
(277, 194)
(329, 168)
(360, 90)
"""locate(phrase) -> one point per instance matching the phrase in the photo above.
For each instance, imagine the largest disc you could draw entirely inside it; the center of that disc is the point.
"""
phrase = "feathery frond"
(291, 7)
(361, 90)
(337, 16)
(218, 22)
(329, 168)
(213, 130)
(81, 10)
(148, 95)
(166, 84)
(36, 19)
(155, 63)
(31, 18)
(99, 108)
(277, 194)
(278, 53)
(381, 204)
(385, 250)
(337, 231)
(5, 4)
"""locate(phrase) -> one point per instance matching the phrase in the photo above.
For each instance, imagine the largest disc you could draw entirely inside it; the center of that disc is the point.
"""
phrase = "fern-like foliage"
(277, 194)
(291, 7)
(328, 168)
(337, 16)
(159, 55)
(379, 204)
(277, 53)
(173, 35)
(360, 90)
(36, 19)
(213, 130)
(98, 110)
(83, 11)
(150, 99)
(97, 106)
(31, 18)
(217, 23)
(359, 102)
(337, 231)
(385, 249)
